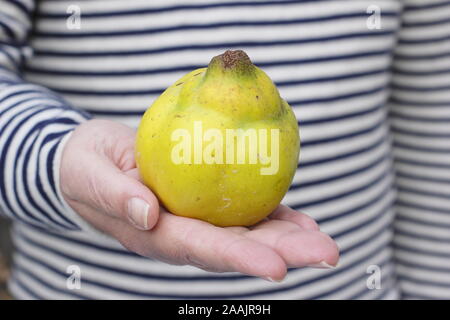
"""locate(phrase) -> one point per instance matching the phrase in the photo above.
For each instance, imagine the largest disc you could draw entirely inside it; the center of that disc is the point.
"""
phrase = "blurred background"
(5, 257)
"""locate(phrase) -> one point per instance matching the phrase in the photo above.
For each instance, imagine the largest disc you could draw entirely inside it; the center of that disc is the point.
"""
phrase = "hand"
(99, 180)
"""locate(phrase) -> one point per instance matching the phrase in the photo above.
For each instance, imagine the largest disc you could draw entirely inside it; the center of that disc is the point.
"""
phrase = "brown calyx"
(231, 57)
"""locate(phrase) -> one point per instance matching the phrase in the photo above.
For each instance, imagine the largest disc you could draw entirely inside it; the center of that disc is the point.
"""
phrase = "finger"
(134, 173)
(108, 189)
(238, 230)
(298, 248)
(301, 219)
(277, 225)
(180, 240)
(93, 165)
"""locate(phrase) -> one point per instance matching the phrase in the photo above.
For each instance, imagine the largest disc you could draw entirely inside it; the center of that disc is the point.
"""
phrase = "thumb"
(121, 195)
(94, 173)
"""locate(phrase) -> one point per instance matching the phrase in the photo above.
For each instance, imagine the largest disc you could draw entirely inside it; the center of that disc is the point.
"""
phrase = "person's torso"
(328, 64)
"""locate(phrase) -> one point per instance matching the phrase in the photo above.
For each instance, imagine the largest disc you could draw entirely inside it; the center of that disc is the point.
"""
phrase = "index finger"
(180, 240)
(303, 220)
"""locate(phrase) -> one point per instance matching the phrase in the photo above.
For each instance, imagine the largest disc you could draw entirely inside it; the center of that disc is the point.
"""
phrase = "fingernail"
(271, 279)
(322, 265)
(138, 213)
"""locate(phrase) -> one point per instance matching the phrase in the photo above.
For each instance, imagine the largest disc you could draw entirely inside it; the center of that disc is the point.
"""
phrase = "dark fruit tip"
(231, 58)
(234, 61)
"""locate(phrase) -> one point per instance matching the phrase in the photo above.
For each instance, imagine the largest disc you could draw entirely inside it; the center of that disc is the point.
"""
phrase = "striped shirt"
(371, 98)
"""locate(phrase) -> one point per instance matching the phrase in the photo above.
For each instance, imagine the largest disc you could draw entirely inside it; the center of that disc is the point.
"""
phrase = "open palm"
(99, 176)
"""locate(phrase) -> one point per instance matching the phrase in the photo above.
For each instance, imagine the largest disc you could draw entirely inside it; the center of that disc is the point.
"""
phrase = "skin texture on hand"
(99, 180)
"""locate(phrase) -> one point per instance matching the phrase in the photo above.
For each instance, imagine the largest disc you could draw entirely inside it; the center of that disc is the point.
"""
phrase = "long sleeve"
(34, 125)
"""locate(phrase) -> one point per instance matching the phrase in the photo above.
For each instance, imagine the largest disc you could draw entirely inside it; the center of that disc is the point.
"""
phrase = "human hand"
(99, 180)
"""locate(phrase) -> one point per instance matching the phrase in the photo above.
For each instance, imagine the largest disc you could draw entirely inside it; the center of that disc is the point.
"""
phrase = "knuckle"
(311, 223)
(190, 249)
(96, 195)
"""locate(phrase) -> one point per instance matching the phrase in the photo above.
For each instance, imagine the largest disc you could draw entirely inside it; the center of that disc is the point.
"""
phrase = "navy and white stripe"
(333, 70)
(33, 123)
(420, 120)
